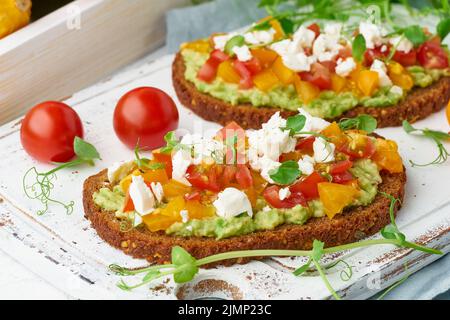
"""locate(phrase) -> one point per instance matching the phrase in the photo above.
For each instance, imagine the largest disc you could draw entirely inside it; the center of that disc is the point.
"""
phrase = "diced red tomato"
(344, 53)
(315, 28)
(308, 186)
(330, 65)
(271, 194)
(245, 74)
(432, 56)
(405, 59)
(208, 72)
(196, 195)
(341, 166)
(306, 144)
(254, 66)
(244, 176)
(201, 180)
(129, 205)
(319, 76)
(366, 150)
(342, 178)
(373, 54)
(229, 175)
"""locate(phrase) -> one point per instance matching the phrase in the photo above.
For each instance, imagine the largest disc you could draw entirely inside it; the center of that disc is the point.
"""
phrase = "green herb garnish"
(437, 136)
(415, 34)
(363, 122)
(295, 124)
(359, 47)
(443, 28)
(286, 174)
(172, 142)
(236, 41)
(145, 163)
(42, 185)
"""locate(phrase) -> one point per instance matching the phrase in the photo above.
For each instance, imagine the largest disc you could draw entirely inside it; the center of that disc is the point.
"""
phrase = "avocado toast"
(280, 187)
(248, 76)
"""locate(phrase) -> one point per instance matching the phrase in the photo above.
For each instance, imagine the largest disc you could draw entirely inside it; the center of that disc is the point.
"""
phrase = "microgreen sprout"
(362, 122)
(287, 173)
(42, 183)
(437, 136)
(145, 163)
(185, 267)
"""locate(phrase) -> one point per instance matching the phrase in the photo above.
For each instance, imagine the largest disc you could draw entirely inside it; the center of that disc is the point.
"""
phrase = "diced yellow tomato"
(174, 207)
(448, 112)
(259, 183)
(158, 175)
(338, 83)
(387, 157)
(279, 32)
(227, 72)
(265, 56)
(266, 80)
(335, 197)
(335, 134)
(158, 222)
(395, 68)
(368, 82)
(125, 183)
(355, 73)
(286, 75)
(174, 189)
(203, 46)
(404, 80)
(305, 90)
(199, 211)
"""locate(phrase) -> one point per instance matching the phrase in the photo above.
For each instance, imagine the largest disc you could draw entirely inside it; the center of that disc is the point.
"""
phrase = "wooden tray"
(65, 251)
(52, 58)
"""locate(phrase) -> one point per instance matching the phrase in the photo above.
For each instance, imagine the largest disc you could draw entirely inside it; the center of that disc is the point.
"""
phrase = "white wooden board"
(65, 251)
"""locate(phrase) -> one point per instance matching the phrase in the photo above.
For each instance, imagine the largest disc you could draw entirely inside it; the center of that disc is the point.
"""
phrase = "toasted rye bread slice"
(349, 227)
(419, 104)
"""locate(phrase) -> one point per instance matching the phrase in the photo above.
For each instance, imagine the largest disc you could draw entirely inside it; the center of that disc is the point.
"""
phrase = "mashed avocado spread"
(365, 171)
(328, 105)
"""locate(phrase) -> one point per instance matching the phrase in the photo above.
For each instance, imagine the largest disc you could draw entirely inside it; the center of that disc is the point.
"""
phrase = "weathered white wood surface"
(66, 252)
(74, 47)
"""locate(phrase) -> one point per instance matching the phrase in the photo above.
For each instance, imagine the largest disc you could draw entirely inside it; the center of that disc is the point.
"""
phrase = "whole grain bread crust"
(419, 104)
(349, 227)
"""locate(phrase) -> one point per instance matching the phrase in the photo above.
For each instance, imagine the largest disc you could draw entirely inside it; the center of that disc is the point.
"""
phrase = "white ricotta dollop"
(379, 67)
(142, 196)
(323, 150)
(345, 67)
(232, 202)
(306, 165)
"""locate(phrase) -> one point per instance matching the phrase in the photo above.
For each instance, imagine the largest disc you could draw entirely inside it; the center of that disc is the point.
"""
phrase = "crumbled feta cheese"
(323, 150)
(203, 148)
(303, 38)
(142, 196)
(119, 170)
(333, 29)
(137, 220)
(312, 124)
(266, 166)
(292, 52)
(306, 165)
(157, 190)
(379, 67)
(384, 48)
(396, 90)
(221, 41)
(267, 209)
(372, 33)
(345, 67)
(401, 44)
(181, 161)
(284, 193)
(326, 47)
(259, 38)
(243, 53)
(232, 202)
(189, 228)
(298, 62)
(184, 216)
(282, 47)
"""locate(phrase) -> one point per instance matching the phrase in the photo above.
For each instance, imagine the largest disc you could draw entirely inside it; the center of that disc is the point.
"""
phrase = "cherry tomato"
(166, 159)
(344, 53)
(229, 175)
(340, 167)
(196, 195)
(373, 54)
(208, 71)
(271, 194)
(244, 176)
(342, 177)
(254, 66)
(306, 144)
(128, 204)
(143, 116)
(360, 151)
(432, 56)
(245, 74)
(203, 180)
(48, 131)
(405, 59)
(319, 76)
(330, 65)
(308, 186)
(315, 28)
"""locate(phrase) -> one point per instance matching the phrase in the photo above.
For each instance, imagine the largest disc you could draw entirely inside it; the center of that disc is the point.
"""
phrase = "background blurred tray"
(66, 252)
